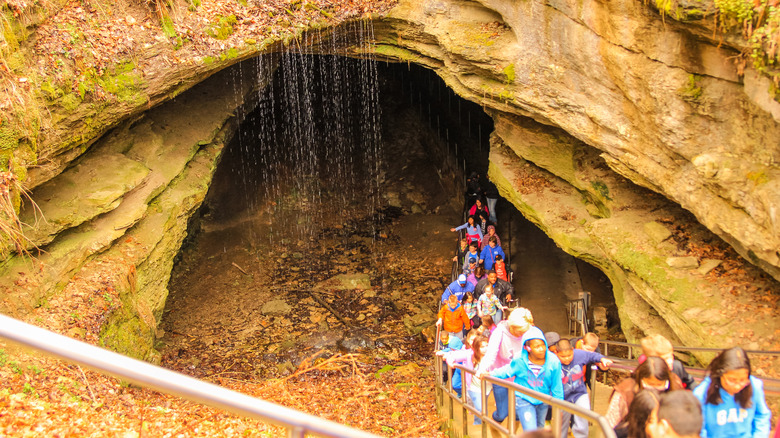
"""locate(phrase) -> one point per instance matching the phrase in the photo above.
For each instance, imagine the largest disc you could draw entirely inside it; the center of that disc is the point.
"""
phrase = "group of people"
(659, 399)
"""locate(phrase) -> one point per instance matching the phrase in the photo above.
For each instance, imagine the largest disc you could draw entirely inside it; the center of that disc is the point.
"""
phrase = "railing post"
(512, 405)
(593, 371)
(556, 421)
(439, 378)
(465, 425)
(451, 407)
(483, 395)
(296, 432)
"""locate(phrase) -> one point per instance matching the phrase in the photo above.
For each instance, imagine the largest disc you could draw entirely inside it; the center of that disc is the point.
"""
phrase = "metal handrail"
(631, 346)
(556, 405)
(150, 376)
(576, 309)
(771, 385)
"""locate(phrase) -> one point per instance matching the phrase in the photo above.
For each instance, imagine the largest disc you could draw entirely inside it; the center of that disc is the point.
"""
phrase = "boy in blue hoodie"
(573, 365)
(448, 342)
(538, 369)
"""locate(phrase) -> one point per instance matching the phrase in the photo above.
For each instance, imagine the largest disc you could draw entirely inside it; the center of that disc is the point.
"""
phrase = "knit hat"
(462, 279)
(552, 338)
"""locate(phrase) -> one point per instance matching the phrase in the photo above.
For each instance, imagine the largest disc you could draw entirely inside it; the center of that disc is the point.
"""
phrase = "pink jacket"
(501, 348)
(461, 357)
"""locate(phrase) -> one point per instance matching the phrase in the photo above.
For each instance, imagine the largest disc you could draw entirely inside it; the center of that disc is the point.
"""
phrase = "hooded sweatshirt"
(454, 319)
(729, 419)
(548, 381)
(457, 289)
(574, 374)
(502, 346)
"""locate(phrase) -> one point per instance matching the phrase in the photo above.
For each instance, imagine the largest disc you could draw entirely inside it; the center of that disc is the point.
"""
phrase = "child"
(473, 230)
(460, 255)
(447, 342)
(491, 231)
(500, 268)
(633, 425)
(678, 415)
(488, 305)
(573, 366)
(653, 374)
(470, 306)
(472, 254)
(732, 400)
(488, 325)
(470, 358)
(452, 317)
(489, 253)
(657, 345)
(478, 274)
(589, 342)
(470, 267)
(535, 368)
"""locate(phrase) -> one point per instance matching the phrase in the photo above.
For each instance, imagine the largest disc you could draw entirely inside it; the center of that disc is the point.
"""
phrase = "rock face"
(587, 95)
(126, 206)
(664, 106)
(599, 109)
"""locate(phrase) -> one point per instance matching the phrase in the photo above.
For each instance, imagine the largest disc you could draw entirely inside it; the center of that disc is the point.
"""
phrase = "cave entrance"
(545, 275)
(345, 173)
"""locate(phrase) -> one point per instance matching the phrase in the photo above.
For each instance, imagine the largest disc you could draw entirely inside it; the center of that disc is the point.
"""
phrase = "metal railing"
(771, 385)
(556, 405)
(577, 316)
(298, 424)
(631, 348)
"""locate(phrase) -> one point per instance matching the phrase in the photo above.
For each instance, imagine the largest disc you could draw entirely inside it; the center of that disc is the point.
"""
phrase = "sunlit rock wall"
(592, 93)
(110, 226)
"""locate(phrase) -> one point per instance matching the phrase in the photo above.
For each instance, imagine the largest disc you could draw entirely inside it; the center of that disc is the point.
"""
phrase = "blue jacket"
(489, 256)
(574, 374)
(728, 419)
(456, 289)
(549, 380)
(453, 344)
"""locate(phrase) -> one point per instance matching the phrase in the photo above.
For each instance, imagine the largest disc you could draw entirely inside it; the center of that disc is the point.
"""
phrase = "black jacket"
(500, 289)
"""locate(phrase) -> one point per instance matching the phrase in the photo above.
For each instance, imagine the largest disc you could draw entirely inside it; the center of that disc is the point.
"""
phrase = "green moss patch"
(395, 52)
(222, 28)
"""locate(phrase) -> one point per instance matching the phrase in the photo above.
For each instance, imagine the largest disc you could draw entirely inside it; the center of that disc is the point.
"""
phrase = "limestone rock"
(657, 231)
(682, 262)
(708, 265)
(80, 194)
(663, 110)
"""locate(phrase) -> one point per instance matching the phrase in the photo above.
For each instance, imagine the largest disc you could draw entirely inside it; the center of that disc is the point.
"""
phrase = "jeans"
(491, 205)
(476, 401)
(501, 394)
(580, 428)
(531, 416)
(498, 316)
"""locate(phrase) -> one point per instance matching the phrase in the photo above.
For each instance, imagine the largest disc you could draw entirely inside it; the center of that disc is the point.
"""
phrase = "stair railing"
(298, 424)
(556, 405)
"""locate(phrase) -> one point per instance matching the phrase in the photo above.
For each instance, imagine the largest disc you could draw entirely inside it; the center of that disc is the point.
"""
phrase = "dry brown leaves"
(45, 397)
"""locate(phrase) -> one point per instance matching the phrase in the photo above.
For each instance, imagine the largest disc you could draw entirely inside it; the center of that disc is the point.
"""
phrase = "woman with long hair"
(653, 373)
(732, 399)
(633, 425)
